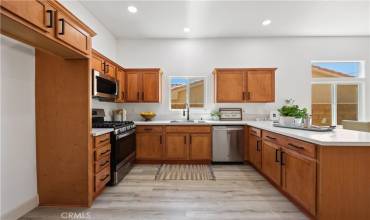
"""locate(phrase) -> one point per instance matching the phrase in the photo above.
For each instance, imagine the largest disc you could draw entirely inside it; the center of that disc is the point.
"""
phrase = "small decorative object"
(148, 115)
(230, 114)
(292, 115)
(215, 115)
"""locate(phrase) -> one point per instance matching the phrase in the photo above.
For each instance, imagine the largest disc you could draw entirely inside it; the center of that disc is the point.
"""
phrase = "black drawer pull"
(148, 129)
(271, 138)
(103, 164)
(62, 24)
(184, 139)
(104, 140)
(106, 177)
(276, 155)
(282, 158)
(160, 139)
(295, 146)
(50, 12)
(107, 151)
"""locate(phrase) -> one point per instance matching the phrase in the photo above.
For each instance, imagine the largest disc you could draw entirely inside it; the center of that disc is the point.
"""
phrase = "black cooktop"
(112, 124)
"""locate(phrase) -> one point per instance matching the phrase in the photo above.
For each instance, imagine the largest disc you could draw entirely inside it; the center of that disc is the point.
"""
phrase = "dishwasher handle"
(228, 129)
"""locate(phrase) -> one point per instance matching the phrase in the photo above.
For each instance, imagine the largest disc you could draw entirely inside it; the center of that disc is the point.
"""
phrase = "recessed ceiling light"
(132, 9)
(186, 29)
(266, 22)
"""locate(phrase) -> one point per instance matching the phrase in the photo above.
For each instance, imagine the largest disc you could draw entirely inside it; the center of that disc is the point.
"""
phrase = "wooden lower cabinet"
(254, 149)
(199, 147)
(271, 161)
(149, 146)
(176, 146)
(299, 179)
(101, 162)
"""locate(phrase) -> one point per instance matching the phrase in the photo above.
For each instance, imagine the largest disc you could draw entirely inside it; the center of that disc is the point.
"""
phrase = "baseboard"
(22, 209)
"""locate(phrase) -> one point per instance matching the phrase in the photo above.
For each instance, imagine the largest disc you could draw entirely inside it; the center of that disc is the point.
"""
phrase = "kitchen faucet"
(187, 112)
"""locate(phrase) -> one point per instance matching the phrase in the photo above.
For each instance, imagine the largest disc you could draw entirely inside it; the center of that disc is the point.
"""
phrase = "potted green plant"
(291, 114)
(215, 115)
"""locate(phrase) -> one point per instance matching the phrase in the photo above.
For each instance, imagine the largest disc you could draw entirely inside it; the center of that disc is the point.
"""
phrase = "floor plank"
(238, 192)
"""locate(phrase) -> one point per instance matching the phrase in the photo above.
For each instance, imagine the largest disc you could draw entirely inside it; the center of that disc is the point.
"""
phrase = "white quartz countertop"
(337, 137)
(100, 131)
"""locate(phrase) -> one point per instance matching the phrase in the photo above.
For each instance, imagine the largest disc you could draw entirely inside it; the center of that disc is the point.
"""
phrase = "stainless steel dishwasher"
(228, 144)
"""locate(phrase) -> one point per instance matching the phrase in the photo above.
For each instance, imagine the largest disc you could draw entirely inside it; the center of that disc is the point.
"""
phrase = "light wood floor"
(239, 192)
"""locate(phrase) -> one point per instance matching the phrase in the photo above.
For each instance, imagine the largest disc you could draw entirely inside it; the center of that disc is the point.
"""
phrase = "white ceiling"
(213, 19)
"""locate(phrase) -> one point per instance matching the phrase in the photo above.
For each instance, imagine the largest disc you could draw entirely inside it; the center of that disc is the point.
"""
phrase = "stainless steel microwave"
(103, 86)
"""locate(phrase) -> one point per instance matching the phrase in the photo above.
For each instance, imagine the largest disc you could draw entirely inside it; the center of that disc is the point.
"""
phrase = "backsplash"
(107, 106)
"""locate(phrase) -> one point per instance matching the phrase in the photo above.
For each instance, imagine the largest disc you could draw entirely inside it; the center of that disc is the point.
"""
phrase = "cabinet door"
(150, 87)
(97, 63)
(149, 146)
(299, 178)
(200, 147)
(230, 86)
(176, 147)
(121, 84)
(261, 86)
(34, 12)
(255, 151)
(110, 69)
(133, 84)
(271, 161)
(71, 34)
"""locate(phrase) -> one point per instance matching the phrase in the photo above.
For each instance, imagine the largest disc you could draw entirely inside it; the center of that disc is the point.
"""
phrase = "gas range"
(118, 126)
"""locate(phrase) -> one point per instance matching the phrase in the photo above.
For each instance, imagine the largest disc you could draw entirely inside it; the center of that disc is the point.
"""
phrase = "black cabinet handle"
(276, 155)
(295, 146)
(103, 66)
(103, 164)
(190, 139)
(282, 158)
(107, 69)
(138, 95)
(184, 139)
(258, 145)
(243, 95)
(104, 140)
(160, 139)
(271, 138)
(62, 24)
(50, 12)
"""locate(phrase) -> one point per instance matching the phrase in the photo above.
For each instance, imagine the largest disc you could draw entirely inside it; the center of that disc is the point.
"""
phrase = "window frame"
(205, 89)
(360, 81)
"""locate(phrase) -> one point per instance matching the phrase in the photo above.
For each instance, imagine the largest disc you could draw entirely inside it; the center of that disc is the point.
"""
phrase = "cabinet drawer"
(148, 129)
(299, 146)
(255, 131)
(102, 178)
(188, 129)
(102, 140)
(102, 152)
(102, 163)
(272, 137)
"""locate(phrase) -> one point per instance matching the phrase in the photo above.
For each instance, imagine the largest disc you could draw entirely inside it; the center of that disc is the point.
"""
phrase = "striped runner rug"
(185, 172)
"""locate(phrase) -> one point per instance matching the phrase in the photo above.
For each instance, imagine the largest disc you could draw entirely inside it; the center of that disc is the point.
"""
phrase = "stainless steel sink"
(187, 121)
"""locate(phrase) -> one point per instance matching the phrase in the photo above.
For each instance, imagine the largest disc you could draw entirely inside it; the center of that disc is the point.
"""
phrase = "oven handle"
(120, 136)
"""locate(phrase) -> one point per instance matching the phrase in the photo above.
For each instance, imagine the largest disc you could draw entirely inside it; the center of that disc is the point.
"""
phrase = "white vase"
(287, 121)
(298, 121)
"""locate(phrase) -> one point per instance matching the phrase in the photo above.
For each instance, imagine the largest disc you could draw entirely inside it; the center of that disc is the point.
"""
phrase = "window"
(185, 90)
(337, 91)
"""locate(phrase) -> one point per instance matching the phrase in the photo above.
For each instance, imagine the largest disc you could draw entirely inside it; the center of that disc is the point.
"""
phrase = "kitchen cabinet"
(260, 86)
(149, 143)
(176, 146)
(110, 69)
(121, 78)
(101, 161)
(271, 161)
(199, 147)
(103, 64)
(70, 33)
(47, 25)
(97, 63)
(299, 178)
(143, 85)
(240, 85)
(254, 147)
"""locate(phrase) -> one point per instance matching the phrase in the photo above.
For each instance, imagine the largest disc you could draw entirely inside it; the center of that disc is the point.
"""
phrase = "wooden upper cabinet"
(245, 85)
(34, 12)
(97, 63)
(299, 178)
(200, 146)
(229, 86)
(110, 69)
(260, 85)
(47, 25)
(133, 86)
(143, 85)
(121, 78)
(70, 33)
(176, 146)
(271, 161)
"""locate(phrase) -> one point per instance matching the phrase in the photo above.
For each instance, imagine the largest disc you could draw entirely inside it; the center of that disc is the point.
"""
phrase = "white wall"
(292, 57)
(18, 141)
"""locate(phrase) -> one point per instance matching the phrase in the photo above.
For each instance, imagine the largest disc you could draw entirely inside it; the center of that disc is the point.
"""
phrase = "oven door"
(123, 149)
(103, 86)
